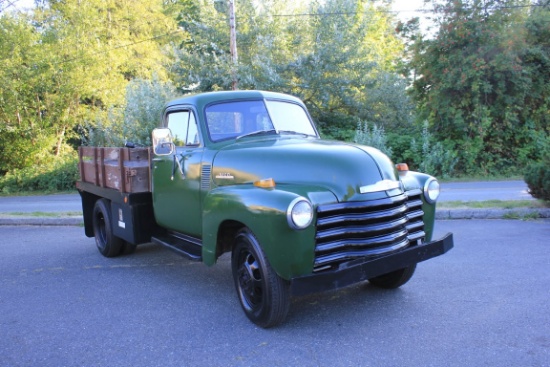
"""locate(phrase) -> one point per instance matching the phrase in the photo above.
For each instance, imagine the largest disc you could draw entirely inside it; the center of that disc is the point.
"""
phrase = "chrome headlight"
(299, 213)
(431, 190)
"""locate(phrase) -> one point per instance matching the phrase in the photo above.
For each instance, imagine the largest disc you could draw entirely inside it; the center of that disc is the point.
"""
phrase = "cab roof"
(203, 99)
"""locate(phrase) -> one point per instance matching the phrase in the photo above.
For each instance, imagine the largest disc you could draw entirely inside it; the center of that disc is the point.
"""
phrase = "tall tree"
(474, 85)
(68, 62)
(339, 56)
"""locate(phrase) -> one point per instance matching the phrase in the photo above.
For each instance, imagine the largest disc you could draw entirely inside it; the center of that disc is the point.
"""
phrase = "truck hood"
(348, 171)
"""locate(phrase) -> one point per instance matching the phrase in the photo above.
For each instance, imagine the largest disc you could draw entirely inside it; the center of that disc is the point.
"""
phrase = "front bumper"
(360, 270)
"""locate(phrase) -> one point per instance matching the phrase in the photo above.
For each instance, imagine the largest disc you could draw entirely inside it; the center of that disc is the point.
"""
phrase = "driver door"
(176, 177)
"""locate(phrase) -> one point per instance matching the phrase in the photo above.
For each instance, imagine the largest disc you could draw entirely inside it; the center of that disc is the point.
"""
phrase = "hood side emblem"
(225, 176)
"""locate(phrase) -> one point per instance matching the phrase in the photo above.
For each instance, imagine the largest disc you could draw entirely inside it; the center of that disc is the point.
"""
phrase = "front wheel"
(107, 243)
(264, 296)
(395, 279)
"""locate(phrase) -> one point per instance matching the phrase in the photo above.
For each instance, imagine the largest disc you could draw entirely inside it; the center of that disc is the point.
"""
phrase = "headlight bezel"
(297, 218)
(432, 190)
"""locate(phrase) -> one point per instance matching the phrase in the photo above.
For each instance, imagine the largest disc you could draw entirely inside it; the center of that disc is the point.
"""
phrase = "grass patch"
(42, 214)
(481, 178)
(515, 215)
(38, 193)
(493, 204)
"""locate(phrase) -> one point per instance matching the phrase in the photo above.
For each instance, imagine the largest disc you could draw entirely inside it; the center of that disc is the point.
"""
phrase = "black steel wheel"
(395, 279)
(107, 243)
(264, 296)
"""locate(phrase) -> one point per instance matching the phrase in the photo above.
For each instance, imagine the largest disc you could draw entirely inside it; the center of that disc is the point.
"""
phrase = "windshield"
(239, 118)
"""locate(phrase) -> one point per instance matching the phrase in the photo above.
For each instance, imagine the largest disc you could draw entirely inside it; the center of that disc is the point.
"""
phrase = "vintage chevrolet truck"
(246, 172)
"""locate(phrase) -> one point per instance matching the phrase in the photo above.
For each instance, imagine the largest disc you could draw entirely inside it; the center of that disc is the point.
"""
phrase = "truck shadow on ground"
(213, 288)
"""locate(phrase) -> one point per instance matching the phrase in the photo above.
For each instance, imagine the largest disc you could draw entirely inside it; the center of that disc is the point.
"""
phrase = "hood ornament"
(383, 185)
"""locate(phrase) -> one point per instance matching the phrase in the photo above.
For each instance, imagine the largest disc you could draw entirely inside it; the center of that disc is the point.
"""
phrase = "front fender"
(264, 211)
(415, 181)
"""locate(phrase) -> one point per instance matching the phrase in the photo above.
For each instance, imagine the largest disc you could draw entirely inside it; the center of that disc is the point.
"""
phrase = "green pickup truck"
(246, 172)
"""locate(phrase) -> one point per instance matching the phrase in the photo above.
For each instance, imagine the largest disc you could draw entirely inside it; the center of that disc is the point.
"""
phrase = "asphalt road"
(485, 303)
(450, 191)
(42, 203)
(486, 190)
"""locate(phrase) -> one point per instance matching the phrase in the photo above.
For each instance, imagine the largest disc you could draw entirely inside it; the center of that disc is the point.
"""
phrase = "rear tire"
(395, 279)
(264, 296)
(127, 248)
(107, 243)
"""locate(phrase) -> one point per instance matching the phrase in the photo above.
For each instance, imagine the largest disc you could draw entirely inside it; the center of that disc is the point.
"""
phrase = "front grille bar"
(350, 230)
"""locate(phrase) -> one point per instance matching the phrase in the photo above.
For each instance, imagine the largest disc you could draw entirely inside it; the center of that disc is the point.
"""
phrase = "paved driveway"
(485, 303)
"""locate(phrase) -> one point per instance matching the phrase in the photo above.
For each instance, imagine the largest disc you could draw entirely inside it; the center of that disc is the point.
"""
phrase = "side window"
(184, 128)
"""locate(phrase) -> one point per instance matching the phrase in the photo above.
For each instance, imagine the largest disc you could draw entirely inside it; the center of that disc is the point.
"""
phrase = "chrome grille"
(350, 230)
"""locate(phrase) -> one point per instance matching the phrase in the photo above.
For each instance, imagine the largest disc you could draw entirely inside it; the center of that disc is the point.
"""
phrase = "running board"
(189, 247)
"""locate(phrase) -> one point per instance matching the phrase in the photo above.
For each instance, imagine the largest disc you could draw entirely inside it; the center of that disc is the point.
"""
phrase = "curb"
(526, 213)
(440, 214)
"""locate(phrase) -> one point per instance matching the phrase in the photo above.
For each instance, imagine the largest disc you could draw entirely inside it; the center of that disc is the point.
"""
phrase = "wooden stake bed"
(124, 169)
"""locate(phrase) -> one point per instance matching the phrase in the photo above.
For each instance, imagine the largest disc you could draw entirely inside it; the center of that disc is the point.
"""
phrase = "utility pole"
(233, 43)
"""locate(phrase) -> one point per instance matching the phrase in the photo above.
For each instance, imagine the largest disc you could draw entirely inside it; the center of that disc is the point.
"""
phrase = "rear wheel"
(264, 296)
(395, 279)
(107, 243)
(127, 248)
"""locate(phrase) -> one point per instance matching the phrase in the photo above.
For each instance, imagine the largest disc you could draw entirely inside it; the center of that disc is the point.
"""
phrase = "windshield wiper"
(292, 132)
(259, 132)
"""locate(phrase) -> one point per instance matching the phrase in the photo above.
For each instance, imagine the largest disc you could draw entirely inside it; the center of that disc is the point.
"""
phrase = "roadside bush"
(537, 174)
(537, 177)
(145, 100)
(436, 159)
(59, 175)
(374, 137)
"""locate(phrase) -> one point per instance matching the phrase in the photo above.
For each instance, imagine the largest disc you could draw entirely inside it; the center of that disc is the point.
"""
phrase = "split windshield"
(246, 118)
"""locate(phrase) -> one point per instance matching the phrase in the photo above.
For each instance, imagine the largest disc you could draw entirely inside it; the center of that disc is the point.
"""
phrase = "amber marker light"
(402, 167)
(268, 183)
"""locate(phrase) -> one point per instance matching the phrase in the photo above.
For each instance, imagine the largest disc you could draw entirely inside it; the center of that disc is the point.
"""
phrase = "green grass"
(491, 204)
(482, 178)
(514, 215)
(42, 214)
(37, 193)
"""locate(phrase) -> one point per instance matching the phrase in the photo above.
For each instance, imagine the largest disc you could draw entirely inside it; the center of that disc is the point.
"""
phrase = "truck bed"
(127, 170)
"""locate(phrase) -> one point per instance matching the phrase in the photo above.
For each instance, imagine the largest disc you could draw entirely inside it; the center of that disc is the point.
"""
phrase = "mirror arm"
(174, 168)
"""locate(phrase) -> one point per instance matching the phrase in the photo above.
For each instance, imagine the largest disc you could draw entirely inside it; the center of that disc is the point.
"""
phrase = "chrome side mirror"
(162, 141)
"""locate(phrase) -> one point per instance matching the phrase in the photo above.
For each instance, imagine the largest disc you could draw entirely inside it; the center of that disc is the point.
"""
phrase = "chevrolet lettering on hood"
(225, 176)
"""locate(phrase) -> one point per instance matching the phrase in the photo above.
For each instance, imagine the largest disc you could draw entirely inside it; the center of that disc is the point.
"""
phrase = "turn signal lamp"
(268, 183)
(402, 167)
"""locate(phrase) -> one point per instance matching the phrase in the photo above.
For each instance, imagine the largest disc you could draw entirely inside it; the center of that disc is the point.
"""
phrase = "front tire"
(107, 243)
(264, 296)
(395, 279)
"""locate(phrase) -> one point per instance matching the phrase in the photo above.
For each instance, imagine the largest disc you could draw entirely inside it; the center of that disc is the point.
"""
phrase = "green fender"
(264, 211)
(415, 180)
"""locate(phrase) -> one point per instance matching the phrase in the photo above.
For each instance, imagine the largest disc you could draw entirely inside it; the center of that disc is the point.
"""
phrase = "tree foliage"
(339, 57)
(68, 63)
(103, 69)
(482, 81)
(145, 100)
